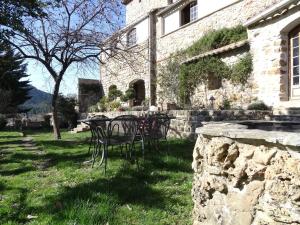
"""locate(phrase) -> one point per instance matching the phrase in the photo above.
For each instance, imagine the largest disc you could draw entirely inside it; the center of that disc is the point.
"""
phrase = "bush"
(112, 106)
(129, 95)
(259, 105)
(217, 38)
(46, 122)
(226, 105)
(3, 122)
(241, 70)
(114, 93)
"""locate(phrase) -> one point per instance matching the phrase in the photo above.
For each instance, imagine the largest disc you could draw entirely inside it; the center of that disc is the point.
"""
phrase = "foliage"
(226, 104)
(66, 107)
(199, 72)
(103, 104)
(113, 106)
(3, 122)
(241, 70)
(259, 105)
(87, 88)
(114, 93)
(168, 78)
(217, 38)
(193, 74)
(46, 122)
(129, 95)
(58, 186)
(13, 84)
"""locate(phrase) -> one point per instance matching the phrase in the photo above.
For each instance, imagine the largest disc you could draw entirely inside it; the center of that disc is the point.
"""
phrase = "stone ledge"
(237, 131)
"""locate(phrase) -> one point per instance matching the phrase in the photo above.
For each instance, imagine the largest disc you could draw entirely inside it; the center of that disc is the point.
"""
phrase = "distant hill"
(40, 101)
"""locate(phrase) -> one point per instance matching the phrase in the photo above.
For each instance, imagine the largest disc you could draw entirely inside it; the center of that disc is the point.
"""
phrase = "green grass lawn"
(54, 185)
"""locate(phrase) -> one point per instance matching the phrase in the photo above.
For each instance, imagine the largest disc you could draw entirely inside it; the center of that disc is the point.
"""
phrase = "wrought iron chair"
(159, 125)
(120, 131)
(93, 125)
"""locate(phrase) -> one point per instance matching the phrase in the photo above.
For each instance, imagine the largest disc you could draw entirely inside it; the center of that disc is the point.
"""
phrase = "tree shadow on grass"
(16, 171)
(11, 142)
(127, 187)
(17, 216)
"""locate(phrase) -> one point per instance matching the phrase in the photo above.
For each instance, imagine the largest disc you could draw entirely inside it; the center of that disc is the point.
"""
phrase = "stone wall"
(246, 177)
(126, 67)
(269, 41)
(185, 122)
(137, 9)
(239, 96)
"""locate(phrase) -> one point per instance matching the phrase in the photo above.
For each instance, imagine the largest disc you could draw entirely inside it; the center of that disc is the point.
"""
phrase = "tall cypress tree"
(14, 87)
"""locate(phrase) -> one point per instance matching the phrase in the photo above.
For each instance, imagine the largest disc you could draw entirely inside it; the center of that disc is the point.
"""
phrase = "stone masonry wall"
(128, 66)
(137, 9)
(269, 41)
(239, 96)
(230, 16)
(246, 177)
(186, 121)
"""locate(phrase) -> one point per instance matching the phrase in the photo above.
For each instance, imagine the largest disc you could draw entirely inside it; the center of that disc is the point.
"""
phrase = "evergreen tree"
(14, 86)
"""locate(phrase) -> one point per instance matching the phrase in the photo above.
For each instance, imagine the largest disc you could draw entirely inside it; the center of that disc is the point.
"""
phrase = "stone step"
(287, 111)
(294, 117)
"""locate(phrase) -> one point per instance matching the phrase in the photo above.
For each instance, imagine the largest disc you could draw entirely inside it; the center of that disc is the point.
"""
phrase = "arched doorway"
(139, 89)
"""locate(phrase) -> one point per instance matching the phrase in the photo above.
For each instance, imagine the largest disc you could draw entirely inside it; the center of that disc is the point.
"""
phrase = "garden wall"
(186, 121)
(246, 177)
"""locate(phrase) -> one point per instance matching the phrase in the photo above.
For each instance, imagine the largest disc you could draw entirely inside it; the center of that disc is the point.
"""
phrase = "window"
(131, 37)
(189, 13)
(214, 82)
(295, 63)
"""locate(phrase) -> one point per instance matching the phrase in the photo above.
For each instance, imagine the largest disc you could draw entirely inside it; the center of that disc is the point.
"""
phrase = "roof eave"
(256, 19)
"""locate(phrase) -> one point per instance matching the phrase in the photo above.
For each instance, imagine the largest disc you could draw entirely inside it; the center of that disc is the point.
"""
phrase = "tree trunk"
(55, 119)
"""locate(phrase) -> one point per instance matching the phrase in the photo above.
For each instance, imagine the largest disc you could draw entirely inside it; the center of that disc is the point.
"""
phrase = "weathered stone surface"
(239, 181)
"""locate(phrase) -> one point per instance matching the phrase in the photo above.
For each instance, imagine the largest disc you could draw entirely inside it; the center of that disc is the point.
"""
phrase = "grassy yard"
(54, 185)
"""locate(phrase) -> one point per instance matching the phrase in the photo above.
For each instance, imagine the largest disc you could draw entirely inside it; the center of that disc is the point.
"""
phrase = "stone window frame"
(294, 37)
(131, 37)
(189, 13)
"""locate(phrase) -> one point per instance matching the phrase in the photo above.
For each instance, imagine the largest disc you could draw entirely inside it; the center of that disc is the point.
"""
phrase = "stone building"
(89, 93)
(156, 29)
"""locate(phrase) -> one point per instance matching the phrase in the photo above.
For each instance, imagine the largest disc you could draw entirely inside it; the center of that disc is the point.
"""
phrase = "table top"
(101, 119)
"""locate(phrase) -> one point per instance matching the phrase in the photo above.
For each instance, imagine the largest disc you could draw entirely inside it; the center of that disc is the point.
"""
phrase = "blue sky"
(40, 78)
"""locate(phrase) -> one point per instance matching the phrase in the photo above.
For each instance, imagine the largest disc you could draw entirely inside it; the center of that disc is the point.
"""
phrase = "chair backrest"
(124, 127)
(159, 125)
(99, 127)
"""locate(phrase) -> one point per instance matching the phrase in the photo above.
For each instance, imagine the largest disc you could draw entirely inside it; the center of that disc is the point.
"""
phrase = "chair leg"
(105, 157)
(91, 143)
(96, 152)
(143, 148)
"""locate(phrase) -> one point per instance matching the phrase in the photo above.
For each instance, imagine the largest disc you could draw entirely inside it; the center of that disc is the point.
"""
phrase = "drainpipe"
(152, 57)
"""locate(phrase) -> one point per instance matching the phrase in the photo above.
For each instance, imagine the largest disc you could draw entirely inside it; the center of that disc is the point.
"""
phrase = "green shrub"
(114, 93)
(46, 122)
(193, 74)
(259, 105)
(103, 104)
(217, 38)
(3, 122)
(226, 104)
(129, 95)
(241, 70)
(112, 106)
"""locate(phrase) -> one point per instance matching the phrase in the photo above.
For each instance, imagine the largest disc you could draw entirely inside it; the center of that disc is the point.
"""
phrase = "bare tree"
(68, 33)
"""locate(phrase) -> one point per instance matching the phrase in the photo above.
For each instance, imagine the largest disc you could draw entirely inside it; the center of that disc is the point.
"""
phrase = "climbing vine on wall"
(216, 39)
(193, 74)
(175, 76)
